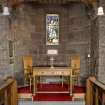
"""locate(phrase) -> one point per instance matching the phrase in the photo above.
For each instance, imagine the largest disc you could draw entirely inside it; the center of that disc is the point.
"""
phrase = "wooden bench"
(8, 92)
(95, 92)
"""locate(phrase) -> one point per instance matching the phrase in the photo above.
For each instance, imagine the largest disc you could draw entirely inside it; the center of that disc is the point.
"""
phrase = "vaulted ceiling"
(16, 2)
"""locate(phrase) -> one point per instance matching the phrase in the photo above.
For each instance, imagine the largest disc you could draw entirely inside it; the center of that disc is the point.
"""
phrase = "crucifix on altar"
(52, 53)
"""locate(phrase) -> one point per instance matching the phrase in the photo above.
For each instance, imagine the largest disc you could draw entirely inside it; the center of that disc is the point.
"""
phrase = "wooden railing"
(95, 92)
(8, 92)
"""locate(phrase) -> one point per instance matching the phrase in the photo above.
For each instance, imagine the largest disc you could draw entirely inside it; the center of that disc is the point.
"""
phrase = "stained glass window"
(52, 29)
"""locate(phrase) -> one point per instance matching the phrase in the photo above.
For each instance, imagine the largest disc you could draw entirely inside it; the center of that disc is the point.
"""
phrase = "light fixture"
(100, 11)
(88, 55)
(6, 11)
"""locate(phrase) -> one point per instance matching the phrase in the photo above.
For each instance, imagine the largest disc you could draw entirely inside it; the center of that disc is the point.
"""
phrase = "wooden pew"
(8, 92)
(95, 92)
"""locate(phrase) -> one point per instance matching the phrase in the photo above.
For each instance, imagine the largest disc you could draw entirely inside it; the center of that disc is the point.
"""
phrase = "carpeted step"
(52, 97)
(45, 92)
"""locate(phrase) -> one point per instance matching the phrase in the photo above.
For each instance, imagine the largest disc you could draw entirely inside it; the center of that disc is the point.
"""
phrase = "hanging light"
(100, 11)
(6, 11)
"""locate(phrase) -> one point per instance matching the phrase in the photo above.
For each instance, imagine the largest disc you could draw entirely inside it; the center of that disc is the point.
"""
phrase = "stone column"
(4, 49)
(101, 44)
(98, 43)
(94, 41)
(101, 31)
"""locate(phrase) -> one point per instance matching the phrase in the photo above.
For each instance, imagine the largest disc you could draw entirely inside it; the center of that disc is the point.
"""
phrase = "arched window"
(52, 29)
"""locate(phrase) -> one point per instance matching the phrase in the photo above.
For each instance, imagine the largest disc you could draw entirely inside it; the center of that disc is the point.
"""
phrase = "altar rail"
(8, 92)
(95, 92)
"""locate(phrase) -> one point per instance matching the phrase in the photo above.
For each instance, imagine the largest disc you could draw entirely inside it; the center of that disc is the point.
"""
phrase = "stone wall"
(94, 47)
(79, 37)
(29, 35)
(4, 51)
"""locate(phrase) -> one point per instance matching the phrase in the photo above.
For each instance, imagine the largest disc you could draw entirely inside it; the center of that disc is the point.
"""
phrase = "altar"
(55, 71)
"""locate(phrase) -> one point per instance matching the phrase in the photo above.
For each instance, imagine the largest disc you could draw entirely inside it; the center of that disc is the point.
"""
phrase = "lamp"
(100, 11)
(6, 11)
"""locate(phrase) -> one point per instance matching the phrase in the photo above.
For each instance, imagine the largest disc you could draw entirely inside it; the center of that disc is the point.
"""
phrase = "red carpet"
(24, 89)
(52, 87)
(79, 89)
(52, 96)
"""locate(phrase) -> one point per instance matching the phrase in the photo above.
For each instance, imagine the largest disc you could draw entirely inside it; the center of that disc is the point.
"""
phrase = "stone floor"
(51, 103)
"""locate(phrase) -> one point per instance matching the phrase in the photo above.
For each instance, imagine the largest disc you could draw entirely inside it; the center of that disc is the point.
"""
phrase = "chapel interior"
(52, 50)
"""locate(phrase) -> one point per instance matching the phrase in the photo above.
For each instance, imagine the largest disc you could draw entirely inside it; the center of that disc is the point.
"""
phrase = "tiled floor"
(51, 103)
